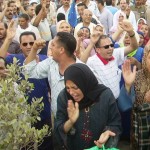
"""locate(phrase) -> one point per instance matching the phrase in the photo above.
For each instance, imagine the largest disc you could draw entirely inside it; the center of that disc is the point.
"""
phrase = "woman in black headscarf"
(86, 111)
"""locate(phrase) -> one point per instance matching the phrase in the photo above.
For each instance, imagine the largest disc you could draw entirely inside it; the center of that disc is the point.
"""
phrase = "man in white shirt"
(62, 46)
(23, 26)
(64, 8)
(105, 63)
(91, 6)
(124, 8)
(86, 22)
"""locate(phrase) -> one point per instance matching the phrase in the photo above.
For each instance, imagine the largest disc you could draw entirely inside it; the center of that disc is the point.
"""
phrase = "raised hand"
(127, 11)
(43, 3)
(103, 138)
(128, 75)
(11, 31)
(95, 37)
(39, 44)
(126, 26)
(80, 34)
(73, 111)
(18, 3)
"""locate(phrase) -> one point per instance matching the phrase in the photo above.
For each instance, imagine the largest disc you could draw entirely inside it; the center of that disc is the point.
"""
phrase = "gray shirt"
(106, 19)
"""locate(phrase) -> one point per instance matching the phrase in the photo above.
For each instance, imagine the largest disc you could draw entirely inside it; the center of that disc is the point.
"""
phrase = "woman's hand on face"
(103, 138)
(73, 111)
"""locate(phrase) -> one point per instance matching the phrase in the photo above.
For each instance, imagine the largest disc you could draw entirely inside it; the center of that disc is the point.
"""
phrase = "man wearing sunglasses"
(105, 63)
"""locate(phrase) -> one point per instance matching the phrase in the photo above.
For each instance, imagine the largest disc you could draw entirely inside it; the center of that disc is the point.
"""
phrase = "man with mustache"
(64, 8)
(7, 15)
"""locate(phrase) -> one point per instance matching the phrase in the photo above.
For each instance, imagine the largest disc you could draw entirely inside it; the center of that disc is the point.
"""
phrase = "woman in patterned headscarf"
(140, 126)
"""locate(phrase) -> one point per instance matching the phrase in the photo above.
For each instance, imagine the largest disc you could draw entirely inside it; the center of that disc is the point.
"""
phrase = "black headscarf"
(86, 81)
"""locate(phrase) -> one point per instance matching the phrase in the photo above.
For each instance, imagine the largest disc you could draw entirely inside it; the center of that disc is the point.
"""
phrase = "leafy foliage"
(16, 115)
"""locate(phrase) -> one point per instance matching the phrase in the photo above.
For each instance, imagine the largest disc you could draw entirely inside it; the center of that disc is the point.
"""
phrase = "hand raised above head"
(128, 74)
(18, 3)
(95, 36)
(39, 44)
(126, 26)
(11, 31)
(80, 33)
(43, 3)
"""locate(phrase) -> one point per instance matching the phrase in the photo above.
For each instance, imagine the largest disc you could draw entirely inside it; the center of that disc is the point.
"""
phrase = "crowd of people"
(92, 70)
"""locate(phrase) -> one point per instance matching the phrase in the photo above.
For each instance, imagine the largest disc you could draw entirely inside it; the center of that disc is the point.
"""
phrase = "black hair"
(5, 25)
(100, 1)
(98, 44)
(68, 41)
(27, 33)
(108, 2)
(82, 4)
(33, 3)
(38, 8)
(27, 7)
(60, 17)
(10, 2)
(25, 16)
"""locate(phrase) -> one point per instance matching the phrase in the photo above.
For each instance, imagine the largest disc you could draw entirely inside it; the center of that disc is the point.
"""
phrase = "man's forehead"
(87, 11)
(107, 39)
(27, 37)
(122, 1)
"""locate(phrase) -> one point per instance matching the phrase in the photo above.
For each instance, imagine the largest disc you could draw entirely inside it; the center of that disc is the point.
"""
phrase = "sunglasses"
(107, 46)
(30, 43)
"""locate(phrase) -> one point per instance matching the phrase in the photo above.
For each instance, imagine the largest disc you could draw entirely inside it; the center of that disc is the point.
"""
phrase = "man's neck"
(24, 27)
(66, 7)
(65, 63)
(85, 24)
(101, 8)
(9, 20)
(123, 11)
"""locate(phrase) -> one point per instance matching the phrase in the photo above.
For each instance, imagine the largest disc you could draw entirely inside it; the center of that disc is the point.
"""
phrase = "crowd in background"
(90, 61)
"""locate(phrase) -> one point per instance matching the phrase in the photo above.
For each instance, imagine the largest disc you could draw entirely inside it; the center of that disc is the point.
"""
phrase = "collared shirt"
(48, 68)
(112, 9)
(44, 30)
(5, 20)
(92, 6)
(30, 28)
(51, 13)
(105, 62)
(108, 74)
(131, 18)
(106, 19)
(62, 10)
